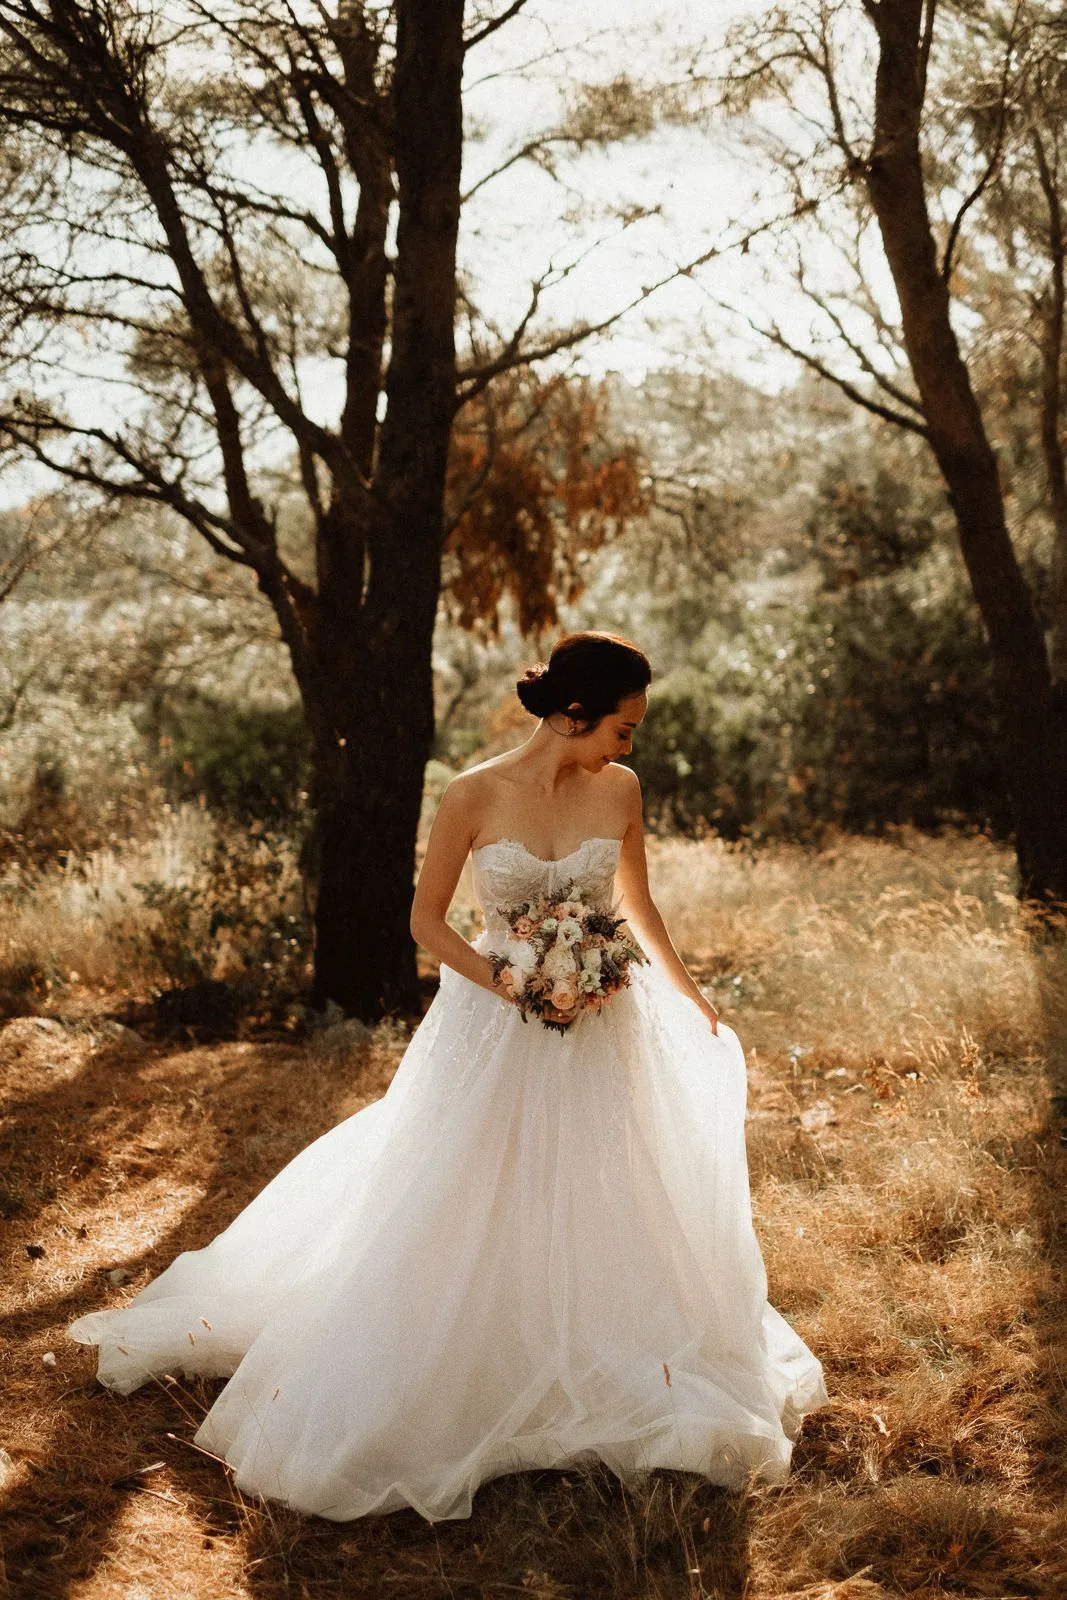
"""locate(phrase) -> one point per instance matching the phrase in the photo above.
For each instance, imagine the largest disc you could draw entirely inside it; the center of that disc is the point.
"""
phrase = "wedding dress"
(536, 1250)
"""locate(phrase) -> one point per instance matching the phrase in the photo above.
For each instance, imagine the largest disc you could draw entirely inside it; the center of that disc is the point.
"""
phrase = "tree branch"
(494, 24)
(890, 388)
(998, 144)
(925, 46)
(472, 381)
(152, 485)
(775, 336)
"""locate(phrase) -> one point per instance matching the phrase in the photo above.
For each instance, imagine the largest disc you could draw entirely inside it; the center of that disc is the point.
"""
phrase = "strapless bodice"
(505, 871)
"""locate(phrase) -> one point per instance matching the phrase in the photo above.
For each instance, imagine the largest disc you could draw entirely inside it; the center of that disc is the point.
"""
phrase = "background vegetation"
(831, 830)
(819, 667)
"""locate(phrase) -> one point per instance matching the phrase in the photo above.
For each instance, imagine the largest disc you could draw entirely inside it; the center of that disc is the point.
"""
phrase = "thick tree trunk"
(1051, 310)
(1033, 724)
(370, 694)
(374, 721)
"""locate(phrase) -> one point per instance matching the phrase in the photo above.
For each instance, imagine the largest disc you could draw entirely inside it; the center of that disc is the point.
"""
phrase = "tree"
(537, 482)
(230, 207)
(872, 146)
(173, 247)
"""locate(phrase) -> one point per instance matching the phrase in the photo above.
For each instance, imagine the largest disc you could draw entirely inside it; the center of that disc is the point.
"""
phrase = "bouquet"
(562, 957)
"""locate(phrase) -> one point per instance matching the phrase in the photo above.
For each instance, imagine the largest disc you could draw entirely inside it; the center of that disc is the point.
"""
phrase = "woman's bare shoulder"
(487, 778)
(625, 779)
(469, 792)
(474, 798)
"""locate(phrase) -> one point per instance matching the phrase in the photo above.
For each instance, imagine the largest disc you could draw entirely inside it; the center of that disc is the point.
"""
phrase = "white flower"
(518, 978)
(588, 981)
(549, 925)
(570, 930)
(559, 963)
(591, 959)
(521, 954)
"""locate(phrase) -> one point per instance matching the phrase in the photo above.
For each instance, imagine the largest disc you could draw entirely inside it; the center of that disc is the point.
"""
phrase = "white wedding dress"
(535, 1250)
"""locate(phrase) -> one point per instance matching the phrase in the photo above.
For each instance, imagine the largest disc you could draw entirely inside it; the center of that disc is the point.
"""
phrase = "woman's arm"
(449, 842)
(641, 911)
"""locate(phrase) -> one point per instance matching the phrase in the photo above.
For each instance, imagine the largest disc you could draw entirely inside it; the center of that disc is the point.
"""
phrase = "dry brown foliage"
(905, 1038)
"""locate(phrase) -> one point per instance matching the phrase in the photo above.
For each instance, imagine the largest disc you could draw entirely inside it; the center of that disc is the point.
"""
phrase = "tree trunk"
(1032, 720)
(370, 694)
(1051, 310)
(374, 727)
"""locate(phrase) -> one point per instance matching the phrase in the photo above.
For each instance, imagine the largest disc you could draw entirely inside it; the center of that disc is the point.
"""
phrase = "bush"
(891, 714)
(248, 762)
(239, 913)
(859, 530)
(870, 705)
(683, 759)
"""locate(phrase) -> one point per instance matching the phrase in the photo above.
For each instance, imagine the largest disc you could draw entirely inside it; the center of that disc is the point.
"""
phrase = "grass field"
(906, 1042)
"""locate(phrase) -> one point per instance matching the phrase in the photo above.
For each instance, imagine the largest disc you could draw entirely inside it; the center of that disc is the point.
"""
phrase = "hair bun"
(534, 689)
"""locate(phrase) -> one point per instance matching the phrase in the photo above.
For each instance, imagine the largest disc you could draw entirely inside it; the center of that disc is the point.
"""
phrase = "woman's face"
(613, 735)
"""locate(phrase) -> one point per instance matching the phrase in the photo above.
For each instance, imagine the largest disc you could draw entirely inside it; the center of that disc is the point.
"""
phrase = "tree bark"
(373, 729)
(1032, 715)
(370, 701)
(1051, 312)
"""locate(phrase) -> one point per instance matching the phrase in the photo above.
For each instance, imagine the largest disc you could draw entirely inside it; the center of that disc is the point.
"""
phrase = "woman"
(536, 1249)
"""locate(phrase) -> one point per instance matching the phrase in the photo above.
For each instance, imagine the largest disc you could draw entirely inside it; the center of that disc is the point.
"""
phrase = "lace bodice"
(505, 871)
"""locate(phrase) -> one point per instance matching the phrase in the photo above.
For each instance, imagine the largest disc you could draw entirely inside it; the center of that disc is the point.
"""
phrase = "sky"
(701, 180)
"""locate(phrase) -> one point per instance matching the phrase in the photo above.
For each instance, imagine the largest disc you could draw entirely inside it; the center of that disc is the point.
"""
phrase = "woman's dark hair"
(591, 671)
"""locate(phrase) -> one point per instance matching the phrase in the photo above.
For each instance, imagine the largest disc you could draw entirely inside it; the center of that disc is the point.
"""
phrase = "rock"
(117, 1276)
(49, 1358)
(342, 1038)
(116, 1035)
(816, 1117)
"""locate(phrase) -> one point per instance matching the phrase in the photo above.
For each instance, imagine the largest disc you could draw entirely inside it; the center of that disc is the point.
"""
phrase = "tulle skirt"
(536, 1250)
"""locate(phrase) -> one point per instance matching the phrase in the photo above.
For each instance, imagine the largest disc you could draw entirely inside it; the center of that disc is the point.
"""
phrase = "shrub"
(239, 913)
(869, 705)
(683, 759)
(247, 761)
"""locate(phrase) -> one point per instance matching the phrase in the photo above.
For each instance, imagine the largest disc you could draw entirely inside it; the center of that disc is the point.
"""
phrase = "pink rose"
(522, 927)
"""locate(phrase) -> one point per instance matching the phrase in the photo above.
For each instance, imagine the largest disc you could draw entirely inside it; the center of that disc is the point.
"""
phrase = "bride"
(536, 1250)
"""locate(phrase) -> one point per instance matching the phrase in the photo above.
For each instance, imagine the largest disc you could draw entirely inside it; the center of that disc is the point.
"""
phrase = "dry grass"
(193, 899)
(909, 1194)
(81, 918)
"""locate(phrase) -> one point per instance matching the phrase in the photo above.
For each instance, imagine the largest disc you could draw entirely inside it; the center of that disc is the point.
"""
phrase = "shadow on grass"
(95, 1146)
(103, 1475)
(546, 1534)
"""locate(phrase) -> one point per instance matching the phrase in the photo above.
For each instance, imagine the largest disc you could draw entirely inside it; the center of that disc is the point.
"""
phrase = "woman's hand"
(503, 985)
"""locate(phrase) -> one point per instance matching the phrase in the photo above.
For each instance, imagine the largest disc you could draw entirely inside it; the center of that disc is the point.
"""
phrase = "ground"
(904, 1036)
